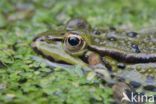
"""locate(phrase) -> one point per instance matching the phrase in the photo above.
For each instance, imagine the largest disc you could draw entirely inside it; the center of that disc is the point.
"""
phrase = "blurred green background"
(23, 80)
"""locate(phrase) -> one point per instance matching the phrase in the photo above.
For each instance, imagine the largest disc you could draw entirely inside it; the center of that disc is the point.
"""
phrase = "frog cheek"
(56, 53)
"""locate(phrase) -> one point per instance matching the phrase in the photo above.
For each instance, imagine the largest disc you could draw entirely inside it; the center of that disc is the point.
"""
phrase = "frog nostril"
(135, 84)
(135, 48)
(73, 41)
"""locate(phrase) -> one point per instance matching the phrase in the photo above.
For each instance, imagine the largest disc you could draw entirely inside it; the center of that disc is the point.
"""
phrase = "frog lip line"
(49, 38)
(47, 57)
(132, 58)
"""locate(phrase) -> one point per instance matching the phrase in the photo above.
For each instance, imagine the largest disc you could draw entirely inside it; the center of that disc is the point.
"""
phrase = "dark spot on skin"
(135, 84)
(135, 48)
(150, 88)
(121, 65)
(96, 32)
(132, 34)
(120, 79)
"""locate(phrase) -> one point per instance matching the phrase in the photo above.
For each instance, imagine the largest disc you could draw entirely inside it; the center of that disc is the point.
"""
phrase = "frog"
(115, 55)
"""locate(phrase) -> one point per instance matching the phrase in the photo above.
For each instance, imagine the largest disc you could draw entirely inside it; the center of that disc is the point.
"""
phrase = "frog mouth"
(48, 38)
(50, 58)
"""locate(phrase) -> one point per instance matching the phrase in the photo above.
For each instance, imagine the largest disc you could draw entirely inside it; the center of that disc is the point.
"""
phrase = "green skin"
(112, 47)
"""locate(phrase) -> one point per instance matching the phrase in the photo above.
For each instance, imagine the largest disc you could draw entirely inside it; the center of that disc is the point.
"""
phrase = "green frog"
(113, 54)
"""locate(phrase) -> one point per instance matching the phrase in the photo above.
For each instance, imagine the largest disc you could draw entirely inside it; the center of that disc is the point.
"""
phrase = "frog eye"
(74, 43)
(73, 40)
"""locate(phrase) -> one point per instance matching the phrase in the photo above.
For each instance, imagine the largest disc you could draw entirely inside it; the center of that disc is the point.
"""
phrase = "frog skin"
(124, 54)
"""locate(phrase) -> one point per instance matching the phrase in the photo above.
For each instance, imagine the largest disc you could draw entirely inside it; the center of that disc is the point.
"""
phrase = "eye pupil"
(73, 41)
